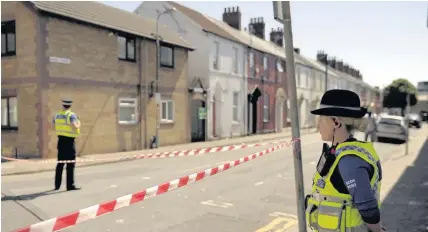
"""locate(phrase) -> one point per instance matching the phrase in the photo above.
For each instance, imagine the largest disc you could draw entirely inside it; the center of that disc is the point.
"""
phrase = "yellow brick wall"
(96, 108)
(176, 79)
(25, 139)
(93, 54)
(24, 63)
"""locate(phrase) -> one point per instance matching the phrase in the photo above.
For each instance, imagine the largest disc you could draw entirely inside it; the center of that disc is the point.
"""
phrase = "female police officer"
(346, 185)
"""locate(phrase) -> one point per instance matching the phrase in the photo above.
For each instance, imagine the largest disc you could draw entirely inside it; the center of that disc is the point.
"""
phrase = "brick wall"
(19, 78)
(89, 80)
(24, 63)
(25, 139)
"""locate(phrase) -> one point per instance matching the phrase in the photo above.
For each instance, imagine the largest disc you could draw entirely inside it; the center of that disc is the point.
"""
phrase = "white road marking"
(217, 204)
(259, 183)
(146, 178)
(277, 214)
(113, 186)
(313, 163)
(279, 176)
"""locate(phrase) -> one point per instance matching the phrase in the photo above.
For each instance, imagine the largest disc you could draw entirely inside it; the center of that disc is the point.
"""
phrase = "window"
(265, 67)
(252, 66)
(288, 110)
(235, 61)
(167, 111)
(126, 48)
(167, 56)
(9, 113)
(216, 55)
(128, 110)
(280, 70)
(266, 108)
(235, 106)
(8, 38)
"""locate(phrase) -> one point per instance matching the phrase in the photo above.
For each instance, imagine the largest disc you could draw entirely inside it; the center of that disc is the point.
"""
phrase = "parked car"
(392, 127)
(424, 115)
(415, 120)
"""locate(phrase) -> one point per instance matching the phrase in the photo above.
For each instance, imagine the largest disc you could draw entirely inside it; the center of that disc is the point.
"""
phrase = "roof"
(203, 21)
(109, 17)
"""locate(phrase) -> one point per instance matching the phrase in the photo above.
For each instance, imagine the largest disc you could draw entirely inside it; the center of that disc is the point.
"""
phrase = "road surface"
(256, 196)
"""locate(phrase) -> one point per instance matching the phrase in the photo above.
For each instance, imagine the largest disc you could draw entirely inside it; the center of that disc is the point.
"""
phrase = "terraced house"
(103, 59)
(216, 67)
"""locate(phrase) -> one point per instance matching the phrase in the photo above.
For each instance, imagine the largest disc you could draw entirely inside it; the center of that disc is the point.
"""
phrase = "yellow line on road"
(287, 220)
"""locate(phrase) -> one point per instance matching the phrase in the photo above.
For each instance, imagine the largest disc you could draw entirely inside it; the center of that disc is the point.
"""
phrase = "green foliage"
(395, 94)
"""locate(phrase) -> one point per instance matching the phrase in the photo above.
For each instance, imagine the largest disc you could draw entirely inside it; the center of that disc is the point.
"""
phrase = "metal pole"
(298, 170)
(157, 80)
(407, 122)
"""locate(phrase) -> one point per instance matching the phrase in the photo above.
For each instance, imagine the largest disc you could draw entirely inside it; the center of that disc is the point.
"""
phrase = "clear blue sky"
(384, 40)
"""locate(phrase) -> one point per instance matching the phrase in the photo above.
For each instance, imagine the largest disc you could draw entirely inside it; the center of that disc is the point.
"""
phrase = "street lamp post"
(157, 94)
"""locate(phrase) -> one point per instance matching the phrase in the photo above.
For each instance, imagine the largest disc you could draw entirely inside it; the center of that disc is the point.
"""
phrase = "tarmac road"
(255, 196)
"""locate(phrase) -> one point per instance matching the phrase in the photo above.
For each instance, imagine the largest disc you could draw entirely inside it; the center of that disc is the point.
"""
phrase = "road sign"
(202, 113)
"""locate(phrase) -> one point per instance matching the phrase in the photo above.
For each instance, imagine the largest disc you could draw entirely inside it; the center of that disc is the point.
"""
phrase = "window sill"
(127, 60)
(9, 129)
(168, 67)
(265, 121)
(9, 55)
(167, 121)
(124, 123)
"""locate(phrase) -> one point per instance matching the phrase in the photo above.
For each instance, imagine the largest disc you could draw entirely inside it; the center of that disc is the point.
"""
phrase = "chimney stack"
(332, 62)
(257, 27)
(340, 65)
(277, 37)
(322, 57)
(346, 68)
(232, 17)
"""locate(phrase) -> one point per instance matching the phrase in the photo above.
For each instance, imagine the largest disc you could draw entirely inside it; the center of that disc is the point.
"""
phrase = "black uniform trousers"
(66, 151)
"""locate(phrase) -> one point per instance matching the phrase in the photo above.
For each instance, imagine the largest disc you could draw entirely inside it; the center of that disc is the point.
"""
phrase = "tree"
(395, 94)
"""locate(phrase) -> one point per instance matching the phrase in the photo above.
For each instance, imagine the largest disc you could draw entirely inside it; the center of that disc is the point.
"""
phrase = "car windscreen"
(390, 121)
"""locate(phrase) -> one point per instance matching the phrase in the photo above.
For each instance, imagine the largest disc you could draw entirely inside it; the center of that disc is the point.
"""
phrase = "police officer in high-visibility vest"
(67, 127)
(346, 185)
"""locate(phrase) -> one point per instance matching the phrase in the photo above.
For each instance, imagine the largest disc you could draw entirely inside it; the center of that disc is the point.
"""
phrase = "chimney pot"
(225, 10)
(233, 9)
(237, 8)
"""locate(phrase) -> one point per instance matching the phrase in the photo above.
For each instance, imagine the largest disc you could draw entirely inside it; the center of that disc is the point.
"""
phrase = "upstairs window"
(8, 38)
(216, 54)
(235, 61)
(126, 48)
(265, 67)
(252, 66)
(167, 56)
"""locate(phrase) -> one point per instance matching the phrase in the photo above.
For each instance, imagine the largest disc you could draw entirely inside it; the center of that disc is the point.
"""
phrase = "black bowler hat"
(340, 103)
(66, 102)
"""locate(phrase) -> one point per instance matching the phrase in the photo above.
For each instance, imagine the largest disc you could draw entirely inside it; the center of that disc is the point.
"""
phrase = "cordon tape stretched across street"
(166, 154)
(92, 212)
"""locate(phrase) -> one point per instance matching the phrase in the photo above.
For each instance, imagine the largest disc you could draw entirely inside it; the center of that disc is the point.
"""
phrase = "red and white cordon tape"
(166, 154)
(72, 219)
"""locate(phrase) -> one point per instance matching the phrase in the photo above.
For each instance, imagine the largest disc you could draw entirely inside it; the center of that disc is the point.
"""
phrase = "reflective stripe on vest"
(63, 125)
(330, 211)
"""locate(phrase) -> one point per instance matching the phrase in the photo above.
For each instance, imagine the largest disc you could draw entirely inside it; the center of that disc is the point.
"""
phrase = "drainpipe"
(146, 92)
(244, 93)
(140, 94)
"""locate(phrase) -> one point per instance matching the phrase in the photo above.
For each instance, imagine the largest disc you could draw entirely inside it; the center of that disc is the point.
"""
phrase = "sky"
(384, 40)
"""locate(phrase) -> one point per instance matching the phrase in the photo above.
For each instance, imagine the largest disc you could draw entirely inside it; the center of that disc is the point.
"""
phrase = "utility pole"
(157, 94)
(283, 15)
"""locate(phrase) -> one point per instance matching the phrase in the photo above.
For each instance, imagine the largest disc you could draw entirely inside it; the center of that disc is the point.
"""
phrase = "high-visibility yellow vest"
(63, 125)
(329, 210)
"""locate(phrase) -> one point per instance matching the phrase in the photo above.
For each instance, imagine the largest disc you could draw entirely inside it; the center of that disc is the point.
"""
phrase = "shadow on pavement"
(30, 196)
(405, 208)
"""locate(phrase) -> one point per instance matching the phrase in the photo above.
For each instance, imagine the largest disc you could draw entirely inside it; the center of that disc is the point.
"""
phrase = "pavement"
(13, 168)
(255, 196)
